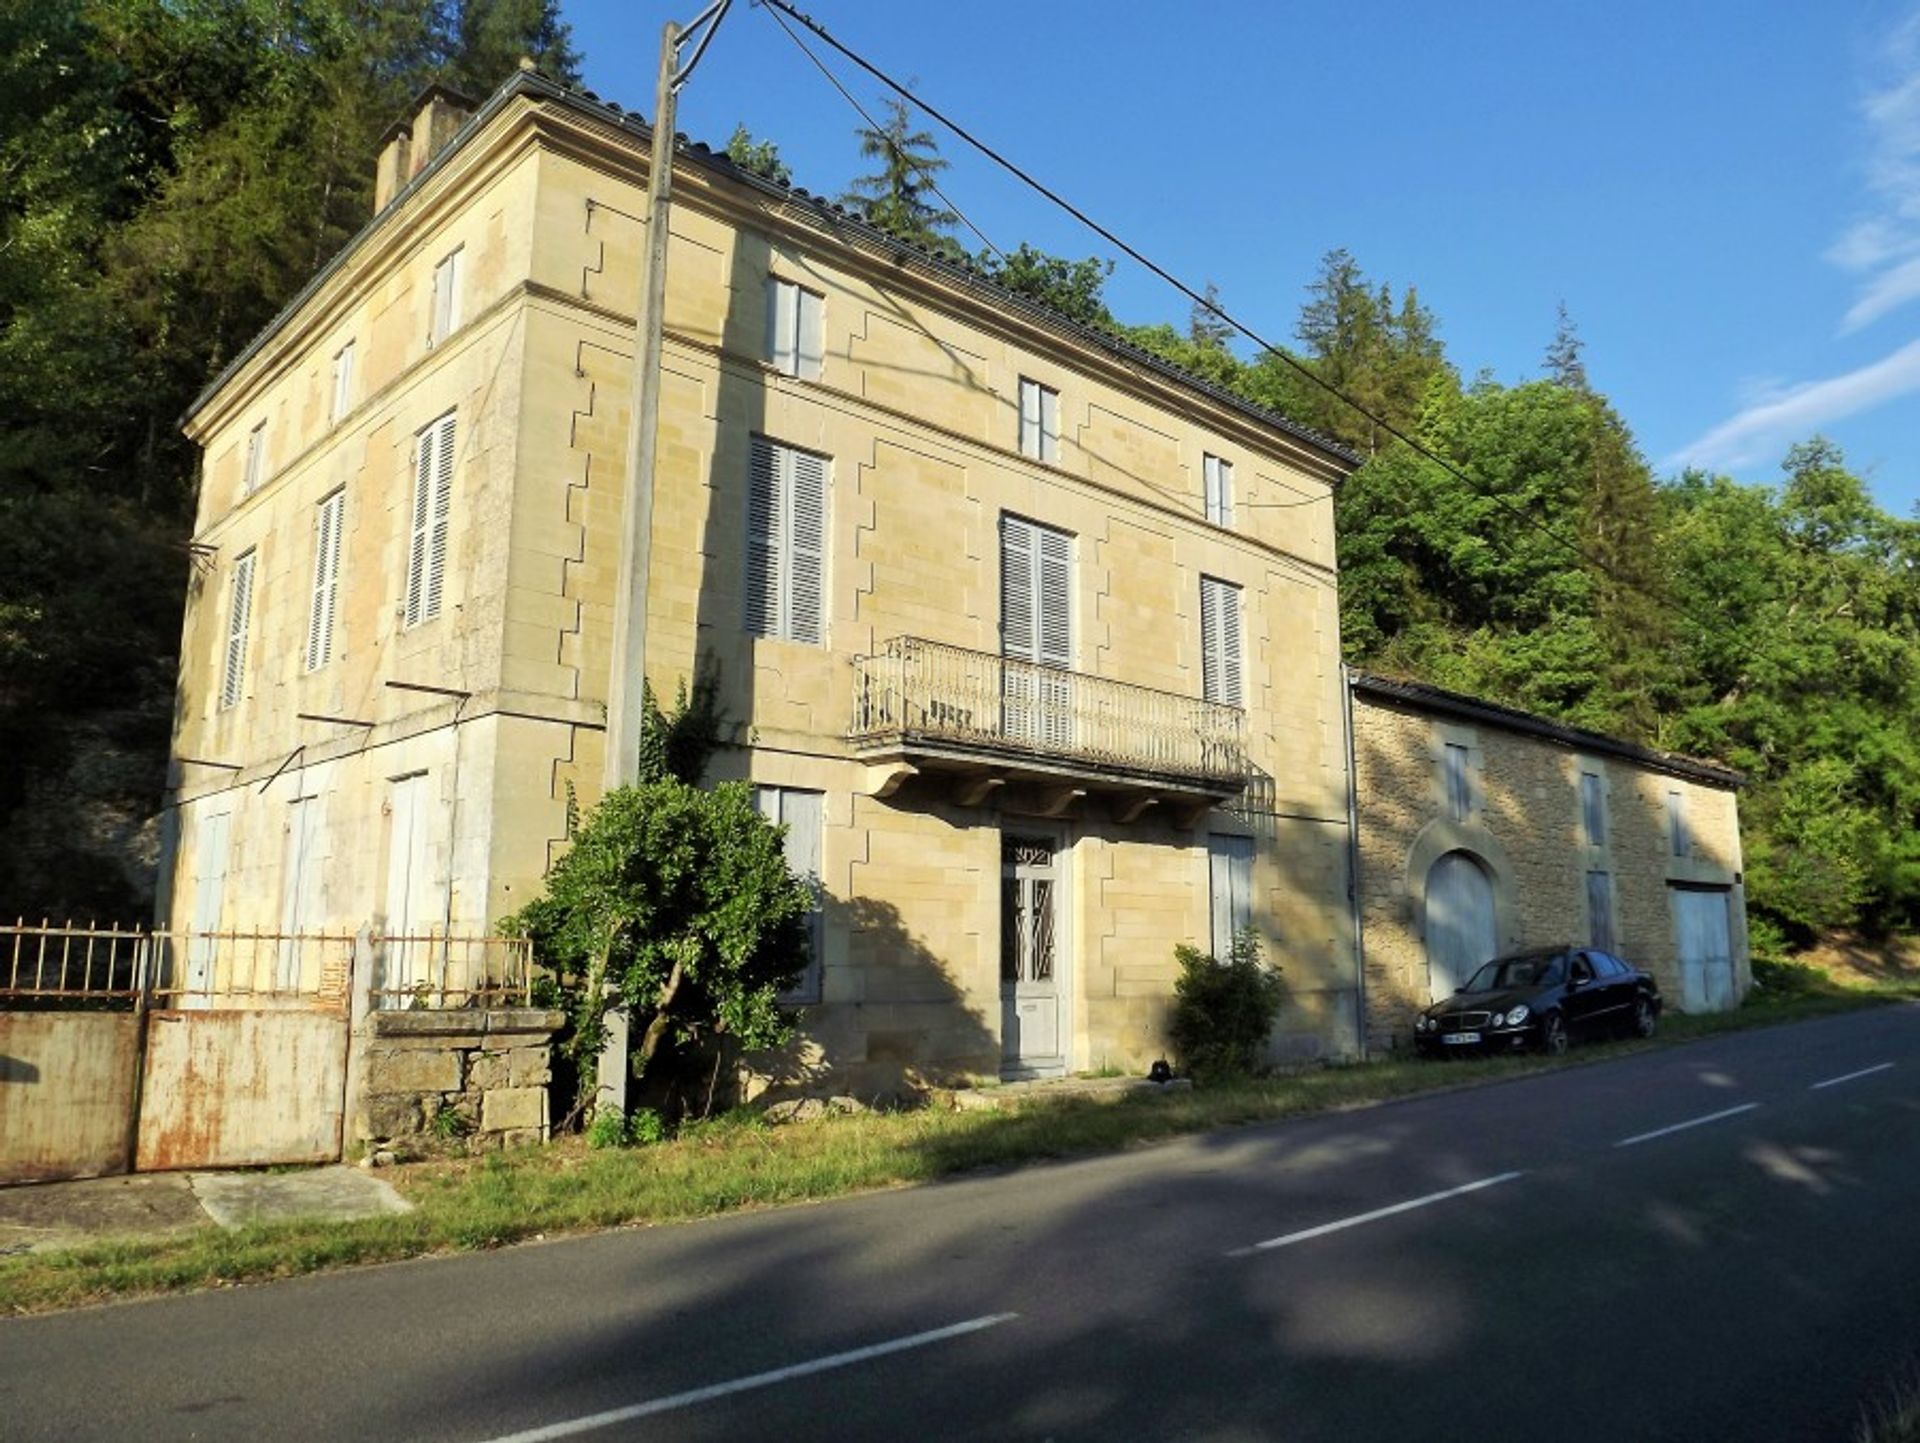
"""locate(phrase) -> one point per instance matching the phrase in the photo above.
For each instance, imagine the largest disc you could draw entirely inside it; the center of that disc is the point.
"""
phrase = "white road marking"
(592, 1421)
(1353, 1222)
(1849, 1076)
(1690, 1122)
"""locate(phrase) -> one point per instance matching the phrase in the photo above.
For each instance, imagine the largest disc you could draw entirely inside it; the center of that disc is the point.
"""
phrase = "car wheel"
(1553, 1035)
(1643, 1018)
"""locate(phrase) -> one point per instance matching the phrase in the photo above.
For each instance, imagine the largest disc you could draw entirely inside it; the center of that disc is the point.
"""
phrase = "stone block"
(414, 1070)
(513, 1107)
(529, 1067)
(489, 1070)
(546, 1020)
(385, 1117)
(426, 1022)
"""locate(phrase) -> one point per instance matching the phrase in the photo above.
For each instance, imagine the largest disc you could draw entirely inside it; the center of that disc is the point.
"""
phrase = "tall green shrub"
(1224, 1008)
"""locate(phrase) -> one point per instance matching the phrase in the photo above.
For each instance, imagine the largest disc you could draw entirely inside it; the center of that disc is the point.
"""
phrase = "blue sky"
(1727, 196)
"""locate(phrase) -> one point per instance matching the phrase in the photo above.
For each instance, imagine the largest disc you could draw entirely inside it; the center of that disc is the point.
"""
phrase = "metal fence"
(919, 690)
(51, 965)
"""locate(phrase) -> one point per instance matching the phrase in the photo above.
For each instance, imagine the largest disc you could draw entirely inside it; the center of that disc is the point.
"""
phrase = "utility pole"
(626, 687)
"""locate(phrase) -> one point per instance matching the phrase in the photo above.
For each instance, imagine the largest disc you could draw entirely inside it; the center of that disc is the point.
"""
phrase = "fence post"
(359, 1004)
(143, 970)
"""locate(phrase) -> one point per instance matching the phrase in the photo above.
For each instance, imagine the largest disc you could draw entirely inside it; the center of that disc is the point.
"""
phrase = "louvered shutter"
(240, 605)
(812, 336)
(1220, 641)
(764, 539)
(442, 509)
(806, 476)
(1017, 631)
(326, 578)
(782, 324)
(1054, 634)
(414, 601)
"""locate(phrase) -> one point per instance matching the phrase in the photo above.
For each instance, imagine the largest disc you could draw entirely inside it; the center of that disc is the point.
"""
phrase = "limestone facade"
(1518, 808)
(441, 746)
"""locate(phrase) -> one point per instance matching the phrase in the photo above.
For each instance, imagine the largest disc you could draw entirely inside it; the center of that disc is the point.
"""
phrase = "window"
(1459, 780)
(427, 539)
(1600, 910)
(342, 382)
(326, 579)
(233, 678)
(1582, 968)
(1220, 641)
(1677, 833)
(1036, 592)
(1593, 809)
(786, 542)
(1219, 484)
(794, 334)
(446, 300)
(256, 463)
(299, 887)
(1039, 421)
(1230, 888)
(800, 813)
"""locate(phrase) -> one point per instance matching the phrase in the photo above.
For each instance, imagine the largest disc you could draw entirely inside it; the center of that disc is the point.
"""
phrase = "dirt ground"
(1862, 961)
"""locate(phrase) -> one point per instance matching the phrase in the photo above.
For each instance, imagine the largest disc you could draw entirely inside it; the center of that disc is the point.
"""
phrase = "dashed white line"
(1355, 1221)
(1690, 1122)
(592, 1421)
(1849, 1076)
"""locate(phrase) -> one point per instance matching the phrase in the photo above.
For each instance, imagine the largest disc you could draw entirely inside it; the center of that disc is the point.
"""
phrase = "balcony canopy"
(1053, 737)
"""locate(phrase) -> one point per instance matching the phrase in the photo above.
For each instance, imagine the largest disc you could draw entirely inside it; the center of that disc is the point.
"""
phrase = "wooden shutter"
(765, 541)
(1230, 888)
(326, 577)
(1018, 637)
(1049, 424)
(806, 488)
(240, 604)
(446, 299)
(1600, 910)
(783, 324)
(1054, 598)
(1219, 488)
(1220, 671)
(342, 381)
(442, 508)
(1459, 781)
(1593, 813)
(414, 599)
(811, 339)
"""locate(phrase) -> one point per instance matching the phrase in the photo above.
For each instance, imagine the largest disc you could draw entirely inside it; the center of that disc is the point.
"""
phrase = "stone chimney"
(436, 114)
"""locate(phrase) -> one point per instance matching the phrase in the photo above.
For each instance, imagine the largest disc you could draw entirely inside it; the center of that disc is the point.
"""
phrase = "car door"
(1585, 994)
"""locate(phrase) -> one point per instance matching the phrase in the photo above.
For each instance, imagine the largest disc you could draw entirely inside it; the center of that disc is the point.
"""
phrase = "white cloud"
(1883, 246)
(1766, 427)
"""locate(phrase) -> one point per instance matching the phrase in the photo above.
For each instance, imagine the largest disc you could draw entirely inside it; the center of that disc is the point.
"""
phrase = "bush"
(641, 1128)
(1223, 1010)
(1776, 978)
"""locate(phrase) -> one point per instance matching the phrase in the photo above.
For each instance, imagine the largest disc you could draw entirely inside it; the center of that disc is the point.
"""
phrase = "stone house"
(1484, 830)
(1030, 640)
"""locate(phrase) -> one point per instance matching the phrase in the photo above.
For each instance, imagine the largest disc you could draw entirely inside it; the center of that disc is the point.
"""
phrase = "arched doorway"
(1460, 921)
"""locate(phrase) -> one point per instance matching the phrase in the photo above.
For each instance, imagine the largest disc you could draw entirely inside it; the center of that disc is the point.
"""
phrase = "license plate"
(1458, 1037)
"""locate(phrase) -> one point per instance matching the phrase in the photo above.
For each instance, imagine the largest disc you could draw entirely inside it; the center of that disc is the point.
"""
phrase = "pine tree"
(1204, 325)
(900, 197)
(1564, 364)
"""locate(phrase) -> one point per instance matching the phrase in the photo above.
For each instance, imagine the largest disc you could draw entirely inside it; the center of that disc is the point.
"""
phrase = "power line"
(776, 7)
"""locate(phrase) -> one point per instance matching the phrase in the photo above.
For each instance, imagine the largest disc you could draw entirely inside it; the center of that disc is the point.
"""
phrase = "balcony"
(991, 721)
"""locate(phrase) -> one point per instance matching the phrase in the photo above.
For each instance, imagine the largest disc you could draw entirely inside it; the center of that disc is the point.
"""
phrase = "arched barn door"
(1460, 930)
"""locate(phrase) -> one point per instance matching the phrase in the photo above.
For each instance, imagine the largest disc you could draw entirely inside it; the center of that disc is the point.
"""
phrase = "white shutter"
(1219, 489)
(446, 299)
(764, 539)
(806, 495)
(1017, 632)
(1029, 418)
(1054, 598)
(1049, 424)
(782, 324)
(1230, 887)
(442, 509)
(342, 381)
(1677, 824)
(240, 604)
(414, 599)
(812, 337)
(256, 459)
(326, 579)
(1220, 672)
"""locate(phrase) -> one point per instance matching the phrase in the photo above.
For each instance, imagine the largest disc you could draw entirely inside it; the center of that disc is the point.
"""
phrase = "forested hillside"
(171, 171)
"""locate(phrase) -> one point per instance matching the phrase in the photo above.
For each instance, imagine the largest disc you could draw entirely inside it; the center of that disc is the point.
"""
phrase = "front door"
(1704, 936)
(1461, 931)
(1030, 957)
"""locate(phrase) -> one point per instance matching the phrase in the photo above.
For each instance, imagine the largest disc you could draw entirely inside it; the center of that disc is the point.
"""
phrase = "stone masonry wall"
(488, 1068)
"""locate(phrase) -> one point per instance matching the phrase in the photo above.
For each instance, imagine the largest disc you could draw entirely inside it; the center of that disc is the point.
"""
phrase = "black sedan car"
(1541, 999)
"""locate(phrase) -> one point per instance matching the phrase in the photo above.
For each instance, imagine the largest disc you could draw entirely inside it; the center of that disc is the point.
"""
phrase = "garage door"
(1460, 930)
(1703, 934)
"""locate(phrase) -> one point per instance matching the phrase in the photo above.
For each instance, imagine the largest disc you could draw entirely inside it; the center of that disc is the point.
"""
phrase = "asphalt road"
(1717, 1241)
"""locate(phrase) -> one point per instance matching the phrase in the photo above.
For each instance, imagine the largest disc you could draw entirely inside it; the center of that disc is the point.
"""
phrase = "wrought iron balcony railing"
(915, 693)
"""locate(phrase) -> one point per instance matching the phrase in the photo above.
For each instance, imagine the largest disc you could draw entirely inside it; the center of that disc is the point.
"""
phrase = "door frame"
(1065, 973)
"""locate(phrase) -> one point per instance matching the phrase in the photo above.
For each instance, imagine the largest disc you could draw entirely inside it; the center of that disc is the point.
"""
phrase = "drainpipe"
(1353, 864)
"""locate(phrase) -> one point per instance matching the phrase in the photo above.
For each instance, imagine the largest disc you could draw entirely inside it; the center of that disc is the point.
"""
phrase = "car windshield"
(1535, 969)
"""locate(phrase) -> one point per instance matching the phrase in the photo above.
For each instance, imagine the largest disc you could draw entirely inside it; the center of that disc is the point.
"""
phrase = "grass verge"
(740, 1162)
